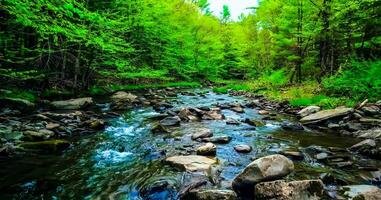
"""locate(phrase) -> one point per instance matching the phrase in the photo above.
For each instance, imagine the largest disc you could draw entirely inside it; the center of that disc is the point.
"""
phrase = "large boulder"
(295, 190)
(191, 163)
(267, 168)
(16, 103)
(308, 110)
(123, 97)
(361, 192)
(210, 195)
(72, 104)
(325, 115)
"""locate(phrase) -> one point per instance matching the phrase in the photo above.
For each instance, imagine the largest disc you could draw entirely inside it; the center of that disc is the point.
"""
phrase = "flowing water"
(125, 160)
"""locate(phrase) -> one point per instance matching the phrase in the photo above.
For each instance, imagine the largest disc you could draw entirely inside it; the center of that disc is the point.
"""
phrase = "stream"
(125, 161)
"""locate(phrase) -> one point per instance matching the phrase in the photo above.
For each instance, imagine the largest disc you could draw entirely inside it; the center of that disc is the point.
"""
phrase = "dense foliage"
(47, 44)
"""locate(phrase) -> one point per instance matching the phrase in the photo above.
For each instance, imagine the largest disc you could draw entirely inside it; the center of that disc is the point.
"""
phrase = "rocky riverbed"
(187, 144)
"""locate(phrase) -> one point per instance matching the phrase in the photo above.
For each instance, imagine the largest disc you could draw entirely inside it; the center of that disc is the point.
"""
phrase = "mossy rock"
(49, 146)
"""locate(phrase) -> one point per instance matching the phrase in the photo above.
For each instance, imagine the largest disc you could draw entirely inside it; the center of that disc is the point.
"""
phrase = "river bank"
(125, 146)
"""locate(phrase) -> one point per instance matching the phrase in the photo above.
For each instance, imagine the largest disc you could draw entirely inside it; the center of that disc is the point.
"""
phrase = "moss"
(19, 94)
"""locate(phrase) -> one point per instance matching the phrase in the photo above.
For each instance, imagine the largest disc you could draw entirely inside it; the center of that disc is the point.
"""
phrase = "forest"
(80, 79)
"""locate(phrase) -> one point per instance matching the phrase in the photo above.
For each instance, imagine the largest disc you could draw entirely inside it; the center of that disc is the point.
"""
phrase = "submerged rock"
(203, 133)
(72, 104)
(267, 168)
(243, 148)
(209, 149)
(325, 114)
(191, 163)
(50, 146)
(218, 139)
(295, 190)
(170, 121)
(210, 195)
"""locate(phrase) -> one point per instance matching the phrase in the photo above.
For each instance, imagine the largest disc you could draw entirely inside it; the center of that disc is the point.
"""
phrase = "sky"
(236, 6)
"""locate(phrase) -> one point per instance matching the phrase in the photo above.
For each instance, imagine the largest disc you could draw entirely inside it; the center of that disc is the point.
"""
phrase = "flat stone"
(72, 104)
(308, 110)
(203, 133)
(211, 195)
(325, 114)
(263, 112)
(191, 163)
(170, 121)
(52, 126)
(209, 149)
(218, 139)
(352, 191)
(243, 148)
(238, 109)
(49, 146)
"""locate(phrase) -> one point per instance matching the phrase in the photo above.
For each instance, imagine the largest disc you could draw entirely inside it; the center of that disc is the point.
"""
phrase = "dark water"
(126, 158)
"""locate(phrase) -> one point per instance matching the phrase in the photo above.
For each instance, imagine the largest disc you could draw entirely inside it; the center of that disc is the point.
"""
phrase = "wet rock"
(295, 190)
(52, 126)
(16, 103)
(213, 115)
(159, 189)
(359, 191)
(218, 139)
(96, 124)
(368, 147)
(43, 134)
(72, 104)
(7, 150)
(49, 146)
(202, 133)
(254, 122)
(191, 163)
(232, 121)
(243, 148)
(371, 110)
(211, 195)
(325, 115)
(370, 121)
(209, 149)
(308, 111)
(369, 134)
(292, 126)
(186, 115)
(321, 156)
(364, 144)
(238, 109)
(267, 168)
(263, 112)
(294, 155)
(123, 97)
(170, 121)
(159, 129)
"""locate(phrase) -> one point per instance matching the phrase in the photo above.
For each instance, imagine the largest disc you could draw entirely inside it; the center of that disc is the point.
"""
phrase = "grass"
(18, 94)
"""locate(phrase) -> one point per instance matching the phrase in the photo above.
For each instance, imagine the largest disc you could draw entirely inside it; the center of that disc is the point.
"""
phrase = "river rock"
(294, 155)
(364, 144)
(237, 109)
(294, 190)
(224, 139)
(263, 112)
(308, 111)
(243, 148)
(202, 133)
(369, 134)
(52, 126)
(267, 168)
(209, 149)
(371, 110)
(170, 121)
(213, 115)
(325, 115)
(254, 122)
(122, 96)
(191, 163)
(17, 103)
(159, 129)
(355, 192)
(211, 195)
(43, 134)
(49, 146)
(72, 104)
(186, 115)
(232, 121)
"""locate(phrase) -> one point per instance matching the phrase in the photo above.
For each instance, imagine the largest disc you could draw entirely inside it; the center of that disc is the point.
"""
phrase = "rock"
(370, 121)
(254, 122)
(232, 121)
(209, 149)
(213, 115)
(7, 150)
(43, 134)
(358, 191)
(211, 195)
(366, 144)
(17, 103)
(308, 111)
(243, 148)
(170, 121)
(371, 110)
(321, 156)
(203, 133)
(292, 126)
(263, 112)
(238, 109)
(96, 124)
(373, 194)
(294, 155)
(159, 129)
(186, 115)
(369, 134)
(325, 114)
(72, 104)
(294, 190)
(50, 146)
(218, 139)
(52, 126)
(191, 163)
(267, 168)
(122, 96)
